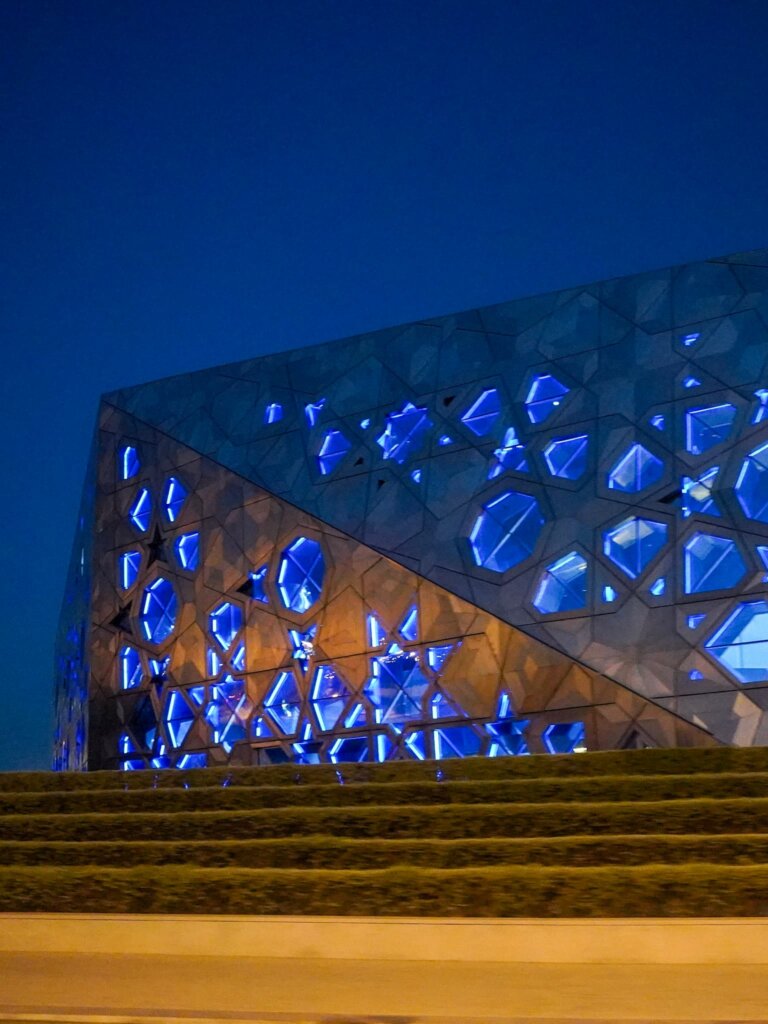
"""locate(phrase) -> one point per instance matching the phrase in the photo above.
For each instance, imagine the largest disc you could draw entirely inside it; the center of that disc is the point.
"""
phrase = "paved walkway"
(220, 988)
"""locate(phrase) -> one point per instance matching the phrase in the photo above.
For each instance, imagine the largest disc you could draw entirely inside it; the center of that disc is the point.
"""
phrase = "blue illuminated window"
(507, 732)
(301, 574)
(159, 607)
(333, 449)
(397, 686)
(140, 512)
(752, 485)
(179, 717)
(762, 552)
(158, 668)
(128, 464)
(238, 658)
(441, 707)
(187, 549)
(444, 440)
(694, 621)
(409, 630)
(283, 703)
(273, 413)
(545, 394)
(761, 412)
(511, 456)
(313, 410)
(174, 496)
(129, 564)
(636, 469)
(131, 672)
(438, 655)
(351, 749)
(690, 339)
(225, 622)
(691, 382)
(481, 416)
(255, 586)
(214, 662)
(303, 645)
(193, 760)
(658, 587)
(416, 476)
(328, 696)
(506, 531)
(127, 747)
(634, 543)
(711, 563)
(415, 745)
(228, 712)
(404, 432)
(565, 738)
(456, 741)
(697, 494)
(609, 594)
(376, 632)
(695, 674)
(566, 457)
(707, 427)
(741, 643)
(658, 421)
(563, 585)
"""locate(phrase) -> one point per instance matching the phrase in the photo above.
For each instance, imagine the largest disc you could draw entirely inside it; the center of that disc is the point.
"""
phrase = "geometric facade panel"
(585, 472)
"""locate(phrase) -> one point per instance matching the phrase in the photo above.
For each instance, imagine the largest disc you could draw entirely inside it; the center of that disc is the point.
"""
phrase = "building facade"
(537, 526)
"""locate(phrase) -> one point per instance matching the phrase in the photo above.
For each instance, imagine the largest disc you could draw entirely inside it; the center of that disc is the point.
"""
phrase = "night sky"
(189, 183)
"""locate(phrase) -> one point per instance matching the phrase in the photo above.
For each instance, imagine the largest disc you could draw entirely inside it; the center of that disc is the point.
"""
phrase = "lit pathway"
(352, 991)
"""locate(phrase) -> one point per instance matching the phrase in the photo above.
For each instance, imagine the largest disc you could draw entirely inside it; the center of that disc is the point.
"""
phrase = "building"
(536, 526)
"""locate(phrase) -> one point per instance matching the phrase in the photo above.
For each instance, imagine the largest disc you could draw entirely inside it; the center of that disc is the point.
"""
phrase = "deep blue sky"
(188, 182)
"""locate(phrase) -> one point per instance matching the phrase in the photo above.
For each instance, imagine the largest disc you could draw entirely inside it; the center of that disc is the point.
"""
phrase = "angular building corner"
(534, 527)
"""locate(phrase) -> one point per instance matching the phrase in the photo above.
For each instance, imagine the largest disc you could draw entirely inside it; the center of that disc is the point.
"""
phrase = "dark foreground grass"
(447, 821)
(340, 854)
(648, 891)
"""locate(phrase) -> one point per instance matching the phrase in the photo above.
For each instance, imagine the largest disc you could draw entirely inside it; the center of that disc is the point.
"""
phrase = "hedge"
(603, 788)
(655, 891)
(331, 853)
(677, 761)
(448, 821)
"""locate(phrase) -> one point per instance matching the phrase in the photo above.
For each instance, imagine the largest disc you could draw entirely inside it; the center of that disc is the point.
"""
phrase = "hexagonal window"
(510, 455)
(129, 564)
(328, 696)
(752, 485)
(741, 643)
(131, 671)
(187, 550)
(228, 711)
(506, 531)
(565, 738)
(633, 543)
(128, 464)
(404, 432)
(140, 512)
(174, 496)
(283, 702)
(481, 416)
(566, 457)
(636, 469)
(225, 622)
(545, 394)
(563, 585)
(332, 450)
(397, 686)
(697, 494)
(301, 574)
(711, 563)
(707, 427)
(159, 607)
(178, 717)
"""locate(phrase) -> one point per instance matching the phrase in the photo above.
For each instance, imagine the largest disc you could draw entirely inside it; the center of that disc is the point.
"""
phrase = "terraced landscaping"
(641, 833)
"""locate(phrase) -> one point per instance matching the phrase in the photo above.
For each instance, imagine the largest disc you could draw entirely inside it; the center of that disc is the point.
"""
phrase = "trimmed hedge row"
(330, 853)
(679, 761)
(447, 821)
(602, 789)
(651, 891)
